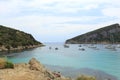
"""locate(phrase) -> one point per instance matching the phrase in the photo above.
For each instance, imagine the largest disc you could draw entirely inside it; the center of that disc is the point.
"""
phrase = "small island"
(14, 40)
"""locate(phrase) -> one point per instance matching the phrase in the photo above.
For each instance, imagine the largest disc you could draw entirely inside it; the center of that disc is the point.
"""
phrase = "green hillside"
(108, 34)
(11, 39)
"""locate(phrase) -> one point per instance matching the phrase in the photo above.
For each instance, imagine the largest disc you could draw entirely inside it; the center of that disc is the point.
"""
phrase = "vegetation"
(9, 65)
(82, 77)
(108, 34)
(12, 38)
(4, 63)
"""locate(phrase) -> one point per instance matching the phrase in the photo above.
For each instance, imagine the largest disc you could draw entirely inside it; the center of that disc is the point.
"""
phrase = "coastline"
(33, 70)
(75, 42)
(4, 50)
(71, 70)
(74, 73)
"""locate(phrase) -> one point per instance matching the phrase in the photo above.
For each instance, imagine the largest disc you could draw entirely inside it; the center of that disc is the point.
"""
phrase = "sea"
(102, 63)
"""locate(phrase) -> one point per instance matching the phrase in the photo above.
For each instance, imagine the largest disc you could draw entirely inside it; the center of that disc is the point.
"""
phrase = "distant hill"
(108, 34)
(12, 39)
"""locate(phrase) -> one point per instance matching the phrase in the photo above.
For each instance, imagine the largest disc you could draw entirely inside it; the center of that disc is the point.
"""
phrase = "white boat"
(82, 49)
(92, 46)
(118, 46)
(112, 47)
(66, 46)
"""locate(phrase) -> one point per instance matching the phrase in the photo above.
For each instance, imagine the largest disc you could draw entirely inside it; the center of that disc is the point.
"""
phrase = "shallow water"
(103, 59)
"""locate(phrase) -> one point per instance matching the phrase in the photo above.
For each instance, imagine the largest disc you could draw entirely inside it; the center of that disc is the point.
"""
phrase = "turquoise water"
(103, 59)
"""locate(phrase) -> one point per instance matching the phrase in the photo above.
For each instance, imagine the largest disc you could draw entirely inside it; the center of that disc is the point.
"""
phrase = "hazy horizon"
(58, 20)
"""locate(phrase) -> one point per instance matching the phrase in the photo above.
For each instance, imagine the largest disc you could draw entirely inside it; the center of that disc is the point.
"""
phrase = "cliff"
(108, 34)
(12, 39)
(33, 70)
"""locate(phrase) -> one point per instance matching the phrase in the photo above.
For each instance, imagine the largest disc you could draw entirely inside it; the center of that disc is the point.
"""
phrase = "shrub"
(9, 65)
(4, 63)
(82, 77)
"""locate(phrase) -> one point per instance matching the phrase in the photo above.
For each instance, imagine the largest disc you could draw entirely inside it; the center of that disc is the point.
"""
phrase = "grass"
(82, 77)
(4, 63)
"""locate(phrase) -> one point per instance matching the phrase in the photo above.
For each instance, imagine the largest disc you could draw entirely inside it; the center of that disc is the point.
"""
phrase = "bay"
(72, 59)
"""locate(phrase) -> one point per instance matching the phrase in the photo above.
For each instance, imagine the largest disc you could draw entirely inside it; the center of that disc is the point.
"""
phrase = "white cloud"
(15, 6)
(112, 12)
(51, 25)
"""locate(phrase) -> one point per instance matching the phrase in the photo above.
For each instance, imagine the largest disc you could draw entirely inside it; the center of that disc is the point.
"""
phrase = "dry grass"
(2, 63)
(82, 77)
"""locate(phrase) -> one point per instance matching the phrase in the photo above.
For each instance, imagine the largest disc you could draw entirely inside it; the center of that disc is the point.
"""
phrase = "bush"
(9, 65)
(82, 77)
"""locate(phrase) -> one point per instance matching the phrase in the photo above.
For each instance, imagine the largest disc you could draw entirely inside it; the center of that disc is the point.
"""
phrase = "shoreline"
(33, 70)
(68, 72)
(74, 73)
(94, 43)
(4, 51)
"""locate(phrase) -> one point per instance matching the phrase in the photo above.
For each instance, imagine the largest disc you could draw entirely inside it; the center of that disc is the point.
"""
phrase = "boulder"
(35, 65)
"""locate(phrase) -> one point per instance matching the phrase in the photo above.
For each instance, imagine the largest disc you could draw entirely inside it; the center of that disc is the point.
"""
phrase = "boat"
(92, 46)
(56, 48)
(50, 47)
(118, 46)
(82, 49)
(80, 45)
(111, 46)
(66, 46)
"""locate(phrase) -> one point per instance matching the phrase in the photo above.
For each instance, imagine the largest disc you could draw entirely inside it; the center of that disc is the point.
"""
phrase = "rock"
(28, 71)
(35, 65)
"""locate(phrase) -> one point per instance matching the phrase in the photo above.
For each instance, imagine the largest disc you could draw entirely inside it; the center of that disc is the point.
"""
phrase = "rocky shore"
(15, 40)
(19, 48)
(33, 70)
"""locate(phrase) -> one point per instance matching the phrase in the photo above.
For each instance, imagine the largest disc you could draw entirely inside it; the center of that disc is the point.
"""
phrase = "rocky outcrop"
(108, 34)
(30, 71)
(12, 40)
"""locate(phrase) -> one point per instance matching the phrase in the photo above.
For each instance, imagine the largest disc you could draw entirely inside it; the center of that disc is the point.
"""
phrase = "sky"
(58, 20)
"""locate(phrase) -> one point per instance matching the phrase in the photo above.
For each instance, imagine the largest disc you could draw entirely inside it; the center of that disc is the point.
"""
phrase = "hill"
(108, 34)
(12, 39)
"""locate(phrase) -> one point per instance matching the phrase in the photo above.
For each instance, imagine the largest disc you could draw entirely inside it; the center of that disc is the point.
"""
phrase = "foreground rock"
(31, 71)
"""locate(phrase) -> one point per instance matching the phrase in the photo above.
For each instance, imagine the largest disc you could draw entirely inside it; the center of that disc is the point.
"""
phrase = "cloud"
(59, 19)
(54, 26)
(112, 12)
(15, 6)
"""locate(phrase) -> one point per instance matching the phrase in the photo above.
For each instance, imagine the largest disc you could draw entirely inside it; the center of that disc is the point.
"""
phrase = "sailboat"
(82, 49)
(66, 46)
(111, 46)
(92, 45)
(118, 46)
